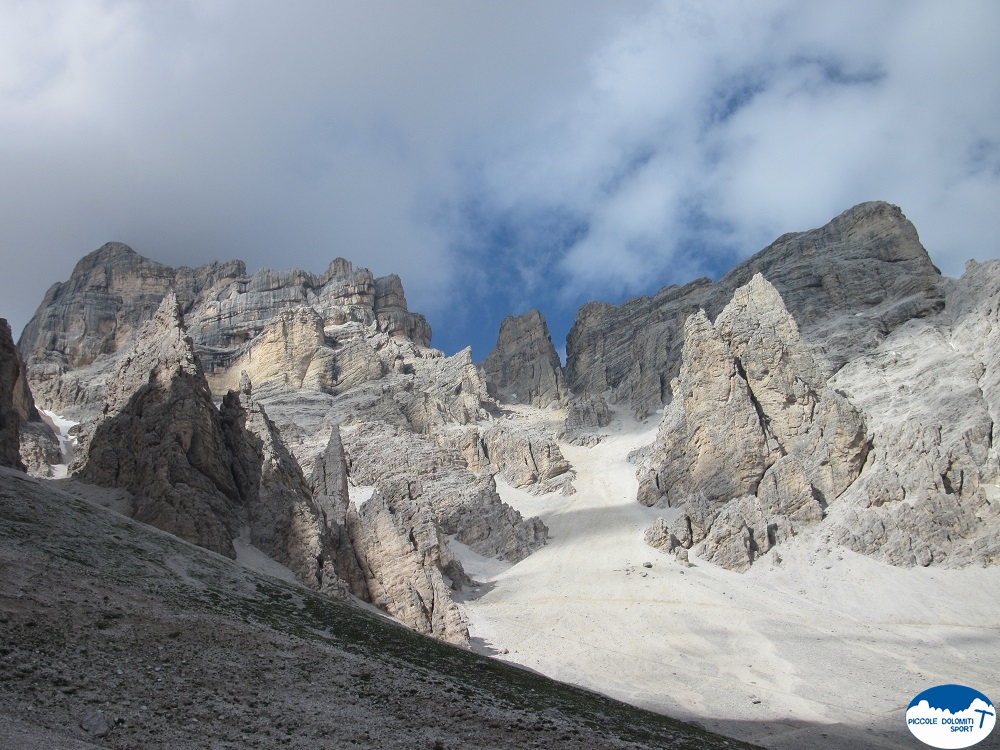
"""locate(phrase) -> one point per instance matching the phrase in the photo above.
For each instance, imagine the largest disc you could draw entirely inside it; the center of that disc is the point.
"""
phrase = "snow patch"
(61, 426)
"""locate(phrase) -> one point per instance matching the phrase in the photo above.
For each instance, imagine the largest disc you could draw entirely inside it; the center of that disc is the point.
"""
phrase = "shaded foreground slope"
(117, 635)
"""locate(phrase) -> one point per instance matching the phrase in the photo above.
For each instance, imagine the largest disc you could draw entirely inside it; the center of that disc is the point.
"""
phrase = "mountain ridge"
(834, 389)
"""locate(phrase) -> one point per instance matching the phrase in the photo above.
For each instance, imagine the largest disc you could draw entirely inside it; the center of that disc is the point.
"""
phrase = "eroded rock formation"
(291, 326)
(847, 285)
(524, 368)
(404, 559)
(464, 503)
(893, 453)
(161, 438)
(10, 418)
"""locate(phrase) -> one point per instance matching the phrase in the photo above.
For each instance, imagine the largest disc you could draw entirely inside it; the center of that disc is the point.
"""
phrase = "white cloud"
(604, 148)
(766, 118)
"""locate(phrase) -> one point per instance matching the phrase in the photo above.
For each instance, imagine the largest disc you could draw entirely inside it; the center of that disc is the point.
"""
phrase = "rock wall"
(276, 324)
(404, 559)
(463, 503)
(161, 439)
(847, 285)
(10, 418)
(329, 486)
(893, 454)
(524, 367)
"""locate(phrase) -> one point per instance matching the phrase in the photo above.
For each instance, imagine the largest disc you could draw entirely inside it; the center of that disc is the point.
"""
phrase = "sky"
(498, 156)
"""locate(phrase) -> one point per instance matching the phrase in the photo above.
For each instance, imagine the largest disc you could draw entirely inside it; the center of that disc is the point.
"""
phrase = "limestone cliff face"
(463, 502)
(405, 561)
(110, 294)
(894, 454)
(213, 475)
(288, 328)
(524, 367)
(329, 486)
(160, 438)
(847, 285)
(10, 418)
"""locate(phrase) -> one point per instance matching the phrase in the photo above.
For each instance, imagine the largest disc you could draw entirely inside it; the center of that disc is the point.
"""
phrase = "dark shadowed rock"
(10, 418)
(161, 439)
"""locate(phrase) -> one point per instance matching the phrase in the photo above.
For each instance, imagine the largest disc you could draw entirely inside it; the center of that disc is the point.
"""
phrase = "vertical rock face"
(847, 285)
(10, 418)
(585, 415)
(463, 503)
(894, 454)
(527, 458)
(161, 439)
(280, 511)
(330, 494)
(747, 446)
(778, 366)
(325, 332)
(110, 294)
(524, 367)
(404, 557)
(711, 442)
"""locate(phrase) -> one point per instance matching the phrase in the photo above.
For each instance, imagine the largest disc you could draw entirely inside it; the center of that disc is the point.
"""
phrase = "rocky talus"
(115, 636)
(847, 285)
(524, 368)
(10, 419)
(892, 453)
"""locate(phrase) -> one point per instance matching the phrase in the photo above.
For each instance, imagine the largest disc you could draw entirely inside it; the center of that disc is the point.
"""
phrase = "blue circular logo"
(951, 716)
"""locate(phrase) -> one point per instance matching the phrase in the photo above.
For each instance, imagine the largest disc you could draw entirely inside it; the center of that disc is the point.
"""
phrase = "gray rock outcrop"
(524, 368)
(298, 326)
(40, 448)
(928, 394)
(711, 442)
(894, 454)
(585, 416)
(463, 503)
(161, 439)
(10, 418)
(404, 556)
(330, 493)
(747, 446)
(847, 285)
(527, 458)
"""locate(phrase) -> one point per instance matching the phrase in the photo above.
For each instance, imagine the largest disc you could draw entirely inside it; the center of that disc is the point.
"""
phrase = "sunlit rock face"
(288, 326)
(847, 285)
(886, 438)
(203, 393)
